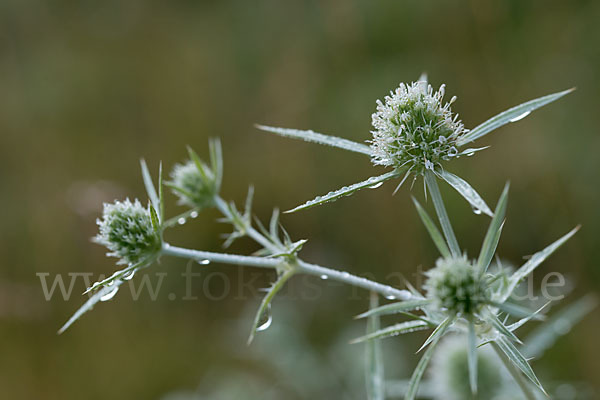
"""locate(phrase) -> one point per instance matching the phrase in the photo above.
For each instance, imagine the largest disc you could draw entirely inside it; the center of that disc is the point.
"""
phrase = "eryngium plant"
(463, 295)
(415, 132)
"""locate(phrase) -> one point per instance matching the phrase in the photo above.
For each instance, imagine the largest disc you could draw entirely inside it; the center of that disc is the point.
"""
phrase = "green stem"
(298, 265)
(440, 209)
(515, 373)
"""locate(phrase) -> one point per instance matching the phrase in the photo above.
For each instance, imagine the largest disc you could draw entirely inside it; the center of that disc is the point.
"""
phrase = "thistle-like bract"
(454, 285)
(414, 128)
(194, 188)
(128, 230)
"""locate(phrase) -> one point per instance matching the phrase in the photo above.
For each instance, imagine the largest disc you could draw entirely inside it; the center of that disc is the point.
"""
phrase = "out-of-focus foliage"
(90, 87)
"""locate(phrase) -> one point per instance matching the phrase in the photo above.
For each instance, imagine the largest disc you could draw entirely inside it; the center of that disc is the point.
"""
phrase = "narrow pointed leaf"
(154, 219)
(511, 115)
(314, 137)
(438, 332)
(534, 262)
(438, 203)
(150, 190)
(216, 160)
(345, 191)
(472, 357)
(89, 304)
(394, 330)
(518, 360)
(490, 242)
(466, 191)
(161, 201)
(560, 324)
(413, 386)
(394, 308)
(199, 164)
(374, 359)
(516, 310)
(523, 321)
(267, 300)
(500, 327)
(434, 232)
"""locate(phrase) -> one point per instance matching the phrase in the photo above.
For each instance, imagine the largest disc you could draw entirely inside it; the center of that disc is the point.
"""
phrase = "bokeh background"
(88, 88)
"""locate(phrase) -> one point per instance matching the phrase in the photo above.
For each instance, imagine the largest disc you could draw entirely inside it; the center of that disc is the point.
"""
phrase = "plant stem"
(440, 209)
(514, 372)
(299, 265)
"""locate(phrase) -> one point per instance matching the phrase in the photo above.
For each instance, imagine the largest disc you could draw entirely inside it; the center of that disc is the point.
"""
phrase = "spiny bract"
(192, 188)
(454, 285)
(126, 229)
(413, 128)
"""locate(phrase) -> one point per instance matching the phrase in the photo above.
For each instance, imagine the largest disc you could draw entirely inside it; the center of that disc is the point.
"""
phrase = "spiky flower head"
(454, 285)
(129, 231)
(414, 128)
(193, 184)
(449, 371)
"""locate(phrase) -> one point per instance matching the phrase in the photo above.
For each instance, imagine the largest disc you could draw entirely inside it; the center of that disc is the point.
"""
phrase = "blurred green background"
(87, 88)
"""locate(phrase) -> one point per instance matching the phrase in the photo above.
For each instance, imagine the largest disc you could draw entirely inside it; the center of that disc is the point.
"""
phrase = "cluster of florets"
(194, 188)
(413, 128)
(454, 285)
(127, 230)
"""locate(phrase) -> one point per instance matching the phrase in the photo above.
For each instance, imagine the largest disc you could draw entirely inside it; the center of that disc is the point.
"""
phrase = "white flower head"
(454, 285)
(414, 128)
(128, 231)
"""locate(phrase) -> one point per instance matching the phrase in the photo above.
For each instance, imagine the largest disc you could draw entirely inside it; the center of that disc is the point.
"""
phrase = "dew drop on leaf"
(194, 214)
(203, 262)
(375, 186)
(110, 295)
(181, 221)
(129, 275)
(324, 277)
(520, 117)
(266, 320)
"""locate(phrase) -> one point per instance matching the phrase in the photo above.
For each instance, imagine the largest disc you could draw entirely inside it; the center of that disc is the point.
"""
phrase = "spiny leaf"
(496, 323)
(534, 261)
(511, 115)
(345, 191)
(434, 232)
(415, 379)
(466, 191)
(394, 308)
(267, 300)
(394, 330)
(150, 190)
(438, 332)
(516, 310)
(523, 321)
(490, 243)
(438, 203)
(518, 360)
(311, 136)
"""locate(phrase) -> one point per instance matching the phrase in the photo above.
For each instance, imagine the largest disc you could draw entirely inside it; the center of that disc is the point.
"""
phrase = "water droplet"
(375, 186)
(129, 275)
(110, 295)
(324, 277)
(266, 320)
(477, 210)
(203, 262)
(390, 297)
(470, 154)
(194, 214)
(520, 117)
(181, 221)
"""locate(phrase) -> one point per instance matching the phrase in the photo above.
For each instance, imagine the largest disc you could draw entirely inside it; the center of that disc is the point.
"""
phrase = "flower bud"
(195, 188)
(128, 231)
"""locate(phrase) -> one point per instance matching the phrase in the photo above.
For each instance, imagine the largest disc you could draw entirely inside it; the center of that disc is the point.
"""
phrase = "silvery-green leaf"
(515, 310)
(415, 379)
(466, 191)
(202, 169)
(434, 232)
(511, 115)
(150, 190)
(440, 208)
(345, 191)
(438, 332)
(394, 330)
(216, 160)
(375, 373)
(394, 308)
(472, 357)
(490, 243)
(311, 136)
(471, 151)
(533, 262)
(102, 294)
(560, 324)
(513, 354)
(523, 321)
(161, 200)
(262, 309)
(118, 275)
(496, 323)
(154, 219)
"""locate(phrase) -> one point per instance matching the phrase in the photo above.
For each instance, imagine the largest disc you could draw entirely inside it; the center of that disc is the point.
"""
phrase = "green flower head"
(194, 189)
(413, 127)
(129, 231)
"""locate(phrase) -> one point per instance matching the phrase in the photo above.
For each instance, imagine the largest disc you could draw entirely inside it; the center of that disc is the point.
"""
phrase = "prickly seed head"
(193, 188)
